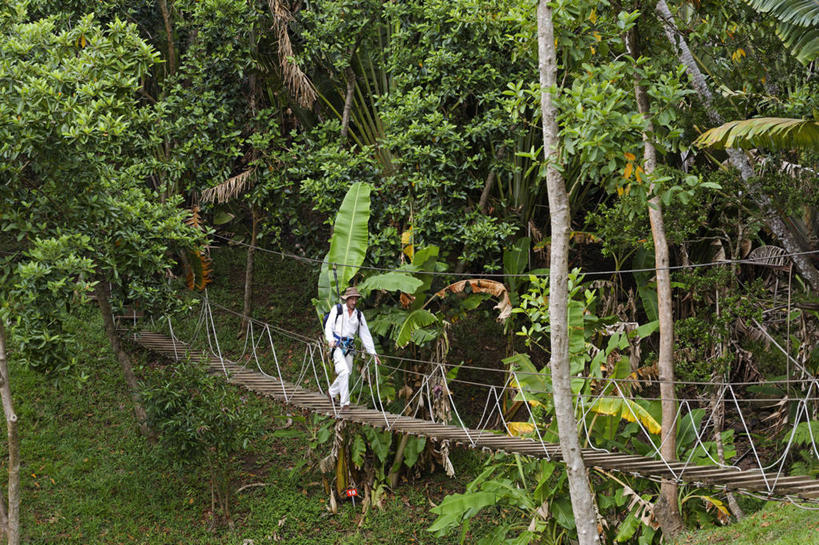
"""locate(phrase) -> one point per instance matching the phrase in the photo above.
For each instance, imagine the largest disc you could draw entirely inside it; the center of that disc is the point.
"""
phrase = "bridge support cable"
(748, 432)
(657, 449)
(452, 403)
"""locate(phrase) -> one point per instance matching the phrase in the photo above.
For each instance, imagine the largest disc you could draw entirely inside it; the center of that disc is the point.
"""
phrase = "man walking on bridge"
(343, 323)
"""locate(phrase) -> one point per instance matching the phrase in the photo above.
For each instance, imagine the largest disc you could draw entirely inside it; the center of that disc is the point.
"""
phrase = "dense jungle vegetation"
(633, 182)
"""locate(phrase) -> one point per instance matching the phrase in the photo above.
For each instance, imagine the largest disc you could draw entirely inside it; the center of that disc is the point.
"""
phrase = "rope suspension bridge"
(766, 480)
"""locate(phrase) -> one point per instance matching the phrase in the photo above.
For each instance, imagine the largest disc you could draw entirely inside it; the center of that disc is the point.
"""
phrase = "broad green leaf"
(416, 320)
(391, 281)
(562, 512)
(647, 329)
(457, 507)
(357, 450)
(415, 446)
(348, 244)
(628, 527)
(221, 217)
(379, 442)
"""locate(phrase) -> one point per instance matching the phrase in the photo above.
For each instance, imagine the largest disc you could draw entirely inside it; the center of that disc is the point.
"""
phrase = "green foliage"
(70, 133)
(763, 132)
(201, 419)
(348, 245)
(52, 271)
(798, 25)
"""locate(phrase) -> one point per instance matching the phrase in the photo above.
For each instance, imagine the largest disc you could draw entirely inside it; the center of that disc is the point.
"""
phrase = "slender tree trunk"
(103, 295)
(166, 17)
(10, 519)
(668, 512)
(772, 218)
(395, 470)
(579, 489)
(490, 182)
(348, 101)
(251, 252)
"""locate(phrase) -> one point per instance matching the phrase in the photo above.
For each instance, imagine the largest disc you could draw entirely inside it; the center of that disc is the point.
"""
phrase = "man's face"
(351, 301)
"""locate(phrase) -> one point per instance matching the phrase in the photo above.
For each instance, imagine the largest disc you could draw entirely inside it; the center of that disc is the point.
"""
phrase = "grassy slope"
(776, 524)
(89, 478)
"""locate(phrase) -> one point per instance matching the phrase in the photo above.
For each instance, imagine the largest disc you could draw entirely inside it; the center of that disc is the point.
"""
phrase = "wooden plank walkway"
(753, 481)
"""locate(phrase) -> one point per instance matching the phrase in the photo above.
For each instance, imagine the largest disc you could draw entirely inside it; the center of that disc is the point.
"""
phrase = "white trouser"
(344, 366)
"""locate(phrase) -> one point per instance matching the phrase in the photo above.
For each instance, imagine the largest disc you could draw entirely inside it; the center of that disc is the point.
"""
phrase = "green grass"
(776, 524)
(90, 478)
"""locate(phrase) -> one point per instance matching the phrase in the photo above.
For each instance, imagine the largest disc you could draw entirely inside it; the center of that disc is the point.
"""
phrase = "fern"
(805, 433)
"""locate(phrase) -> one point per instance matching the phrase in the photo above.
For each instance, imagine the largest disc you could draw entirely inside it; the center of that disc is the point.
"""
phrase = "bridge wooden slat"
(731, 479)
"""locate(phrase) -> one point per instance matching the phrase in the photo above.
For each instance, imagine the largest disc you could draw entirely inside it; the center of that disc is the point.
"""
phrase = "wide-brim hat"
(350, 292)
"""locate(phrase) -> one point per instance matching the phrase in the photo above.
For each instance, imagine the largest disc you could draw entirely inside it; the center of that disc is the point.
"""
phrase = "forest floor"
(88, 477)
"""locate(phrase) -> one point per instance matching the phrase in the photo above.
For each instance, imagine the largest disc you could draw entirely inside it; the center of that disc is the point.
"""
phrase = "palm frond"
(229, 189)
(797, 12)
(763, 132)
(296, 81)
(769, 256)
(798, 24)
(802, 41)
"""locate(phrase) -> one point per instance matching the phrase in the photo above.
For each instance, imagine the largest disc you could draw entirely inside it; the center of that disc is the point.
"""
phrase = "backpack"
(338, 315)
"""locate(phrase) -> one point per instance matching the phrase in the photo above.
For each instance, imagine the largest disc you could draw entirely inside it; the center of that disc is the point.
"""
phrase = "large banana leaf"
(391, 281)
(416, 320)
(627, 410)
(798, 24)
(348, 244)
(764, 132)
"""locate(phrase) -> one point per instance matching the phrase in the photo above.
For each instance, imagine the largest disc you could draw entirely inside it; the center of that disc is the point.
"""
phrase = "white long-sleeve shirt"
(348, 326)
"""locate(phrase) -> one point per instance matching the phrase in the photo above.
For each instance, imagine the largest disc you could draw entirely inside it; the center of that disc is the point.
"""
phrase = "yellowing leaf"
(627, 410)
(630, 156)
(535, 403)
(82, 42)
(619, 191)
(406, 236)
(409, 250)
(637, 174)
(737, 55)
(628, 171)
(520, 428)
(597, 36)
(593, 16)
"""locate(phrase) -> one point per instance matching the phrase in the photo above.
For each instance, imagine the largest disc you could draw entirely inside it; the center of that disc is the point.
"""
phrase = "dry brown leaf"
(296, 81)
(492, 287)
(229, 189)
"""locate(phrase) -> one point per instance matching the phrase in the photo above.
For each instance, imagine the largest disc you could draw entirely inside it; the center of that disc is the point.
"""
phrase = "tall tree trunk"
(772, 218)
(668, 512)
(10, 518)
(251, 252)
(579, 489)
(103, 295)
(166, 18)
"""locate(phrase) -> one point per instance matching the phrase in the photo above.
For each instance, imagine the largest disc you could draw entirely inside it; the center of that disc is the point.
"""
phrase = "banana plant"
(348, 245)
